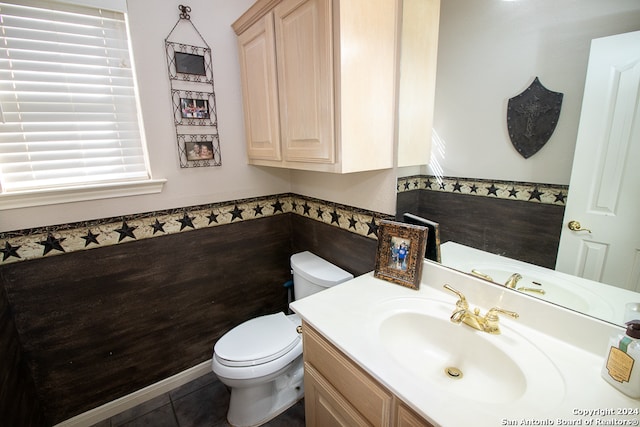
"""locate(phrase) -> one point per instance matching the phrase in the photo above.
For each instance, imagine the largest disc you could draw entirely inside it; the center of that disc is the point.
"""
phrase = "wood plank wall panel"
(102, 323)
(19, 404)
(349, 251)
(525, 231)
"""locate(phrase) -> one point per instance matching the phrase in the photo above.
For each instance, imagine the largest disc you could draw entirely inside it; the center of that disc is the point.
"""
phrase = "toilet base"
(259, 403)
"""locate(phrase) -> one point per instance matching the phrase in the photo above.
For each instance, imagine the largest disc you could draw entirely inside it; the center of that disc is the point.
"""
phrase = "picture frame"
(199, 150)
(193, 108)
(400, 254)
(190, 63)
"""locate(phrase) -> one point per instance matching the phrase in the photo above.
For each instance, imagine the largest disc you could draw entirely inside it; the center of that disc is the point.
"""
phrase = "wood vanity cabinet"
(340, 393)
(320, 83)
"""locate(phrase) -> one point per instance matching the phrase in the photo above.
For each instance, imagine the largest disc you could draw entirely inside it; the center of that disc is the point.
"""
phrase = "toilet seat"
(257, 341)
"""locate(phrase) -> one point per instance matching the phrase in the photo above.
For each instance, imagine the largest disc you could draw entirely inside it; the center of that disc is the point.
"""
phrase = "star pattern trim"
(158, 226)
(125, 231)
(51, 243)
(22, 245)
(90, 238)
(236, 213)
(9, 251)
(186, 221)
(509, 190)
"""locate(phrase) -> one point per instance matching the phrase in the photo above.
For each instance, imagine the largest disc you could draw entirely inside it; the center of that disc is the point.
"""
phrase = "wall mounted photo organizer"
(193, 97)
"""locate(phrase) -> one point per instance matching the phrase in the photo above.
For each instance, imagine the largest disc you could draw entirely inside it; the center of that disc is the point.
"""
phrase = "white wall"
(491, 50)
(150, 22)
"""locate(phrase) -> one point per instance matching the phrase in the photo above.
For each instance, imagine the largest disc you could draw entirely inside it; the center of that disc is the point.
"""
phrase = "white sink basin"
(504, 369)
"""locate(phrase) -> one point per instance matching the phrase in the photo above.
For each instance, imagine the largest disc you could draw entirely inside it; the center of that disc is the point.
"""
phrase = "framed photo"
(401, 249)
(189, 63)
(199, 150)
(192, 108)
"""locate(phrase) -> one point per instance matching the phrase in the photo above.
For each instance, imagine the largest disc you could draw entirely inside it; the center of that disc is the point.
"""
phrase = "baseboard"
(114, 407)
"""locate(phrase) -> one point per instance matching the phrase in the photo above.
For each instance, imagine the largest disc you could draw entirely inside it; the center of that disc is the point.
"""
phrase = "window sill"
(27, 199)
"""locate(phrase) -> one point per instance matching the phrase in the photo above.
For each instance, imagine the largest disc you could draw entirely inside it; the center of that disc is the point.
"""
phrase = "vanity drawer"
(358, 388)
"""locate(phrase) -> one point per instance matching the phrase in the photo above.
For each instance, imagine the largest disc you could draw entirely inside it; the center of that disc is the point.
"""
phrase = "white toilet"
(261, 359)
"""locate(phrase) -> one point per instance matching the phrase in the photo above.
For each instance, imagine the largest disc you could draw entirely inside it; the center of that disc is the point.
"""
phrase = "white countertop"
(574, 343)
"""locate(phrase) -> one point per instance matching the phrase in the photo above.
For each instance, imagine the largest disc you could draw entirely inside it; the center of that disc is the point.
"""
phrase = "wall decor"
(193, 108)
(199, 150)
(532, 117)
(193, 97)
(401, 249)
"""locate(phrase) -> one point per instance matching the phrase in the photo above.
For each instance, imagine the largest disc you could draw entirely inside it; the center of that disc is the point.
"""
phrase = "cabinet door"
(260, 90)
(303, 32)
(405, 417)
(324, 406)
(371, 401)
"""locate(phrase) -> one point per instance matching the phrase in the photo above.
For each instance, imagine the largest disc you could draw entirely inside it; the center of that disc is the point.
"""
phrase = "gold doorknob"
(575, 226)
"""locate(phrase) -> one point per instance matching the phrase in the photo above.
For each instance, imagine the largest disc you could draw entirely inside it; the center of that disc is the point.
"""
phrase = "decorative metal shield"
(532, 117)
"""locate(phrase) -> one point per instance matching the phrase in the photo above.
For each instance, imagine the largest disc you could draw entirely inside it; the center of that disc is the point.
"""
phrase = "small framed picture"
(401, 249)
(189, 63)
(192, 108)
(199, 150)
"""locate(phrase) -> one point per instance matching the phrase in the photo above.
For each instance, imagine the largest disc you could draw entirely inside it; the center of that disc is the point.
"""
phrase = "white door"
(604, 192)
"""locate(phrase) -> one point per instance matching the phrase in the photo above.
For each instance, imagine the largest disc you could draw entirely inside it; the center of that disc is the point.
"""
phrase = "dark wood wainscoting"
(19, 404)
(521, 230)
(351, 252)
(99, 324)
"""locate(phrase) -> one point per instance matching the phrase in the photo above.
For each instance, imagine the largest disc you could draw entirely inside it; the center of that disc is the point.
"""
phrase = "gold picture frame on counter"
(400, 254)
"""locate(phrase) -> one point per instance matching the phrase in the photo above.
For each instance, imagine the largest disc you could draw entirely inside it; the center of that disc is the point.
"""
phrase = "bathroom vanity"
(339, 392)
(380, 354)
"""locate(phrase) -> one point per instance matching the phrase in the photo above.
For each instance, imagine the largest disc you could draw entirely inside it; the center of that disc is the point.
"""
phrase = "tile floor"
(200, 403)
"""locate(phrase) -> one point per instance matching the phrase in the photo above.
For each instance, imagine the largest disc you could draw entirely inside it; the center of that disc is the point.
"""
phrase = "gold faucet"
(489, 323)
(513, 280)
(481, 275)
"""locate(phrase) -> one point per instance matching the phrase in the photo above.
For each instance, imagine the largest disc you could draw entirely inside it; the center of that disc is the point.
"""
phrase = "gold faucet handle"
(492, 315)
(462, 301)
(491, 319)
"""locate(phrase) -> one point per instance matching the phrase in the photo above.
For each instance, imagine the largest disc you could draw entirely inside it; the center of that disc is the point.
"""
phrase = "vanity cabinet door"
(355, 387)
(340, 393)
(324, 406)
(260, 90)
(405, 417)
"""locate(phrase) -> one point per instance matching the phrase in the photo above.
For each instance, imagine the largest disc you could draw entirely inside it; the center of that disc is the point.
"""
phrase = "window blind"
(68, 98)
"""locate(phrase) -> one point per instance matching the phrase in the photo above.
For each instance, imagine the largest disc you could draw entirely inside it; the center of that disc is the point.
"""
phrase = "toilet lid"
(257, 341)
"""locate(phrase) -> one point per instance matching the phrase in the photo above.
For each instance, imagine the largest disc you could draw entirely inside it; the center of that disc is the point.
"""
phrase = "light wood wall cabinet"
(339, 393)
(320, 82)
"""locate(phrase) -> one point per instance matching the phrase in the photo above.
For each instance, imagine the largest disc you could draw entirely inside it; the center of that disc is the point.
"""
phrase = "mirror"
(488, 52)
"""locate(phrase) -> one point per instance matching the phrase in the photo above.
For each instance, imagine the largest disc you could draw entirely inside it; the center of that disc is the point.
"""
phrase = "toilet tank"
(312, 274)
